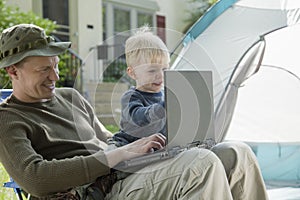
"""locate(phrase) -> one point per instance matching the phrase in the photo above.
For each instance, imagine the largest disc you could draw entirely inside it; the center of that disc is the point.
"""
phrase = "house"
(98, 28)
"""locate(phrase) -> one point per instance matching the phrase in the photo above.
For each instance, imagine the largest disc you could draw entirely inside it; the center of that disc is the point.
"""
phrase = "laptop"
(189, 116)
(189, 106)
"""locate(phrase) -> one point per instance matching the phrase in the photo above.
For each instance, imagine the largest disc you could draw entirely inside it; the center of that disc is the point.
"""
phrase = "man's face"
(149, 77)
(35, 78)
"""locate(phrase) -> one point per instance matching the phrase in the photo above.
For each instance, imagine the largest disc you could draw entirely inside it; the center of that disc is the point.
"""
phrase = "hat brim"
(52, 49)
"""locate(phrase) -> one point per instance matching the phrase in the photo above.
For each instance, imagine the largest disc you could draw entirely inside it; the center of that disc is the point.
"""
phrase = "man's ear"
(12, 71)
(130, 72)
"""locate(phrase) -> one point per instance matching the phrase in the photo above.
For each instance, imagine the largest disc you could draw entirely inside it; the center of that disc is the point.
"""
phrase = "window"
(144, 18)
(58, 10)
(121, 20)
(118, 20)
(104, 34)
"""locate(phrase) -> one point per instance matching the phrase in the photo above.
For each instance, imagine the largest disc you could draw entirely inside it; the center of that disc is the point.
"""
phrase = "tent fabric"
(284, 193)
(279, 163)
(226, 44)
(280, 167)
(252, 48)
(268, 106)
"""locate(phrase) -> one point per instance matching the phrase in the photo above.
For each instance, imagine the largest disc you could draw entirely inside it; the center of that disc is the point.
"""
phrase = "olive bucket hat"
(23, 40)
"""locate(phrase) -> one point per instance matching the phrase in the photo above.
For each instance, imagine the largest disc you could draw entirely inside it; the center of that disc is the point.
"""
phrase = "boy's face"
(148, 77)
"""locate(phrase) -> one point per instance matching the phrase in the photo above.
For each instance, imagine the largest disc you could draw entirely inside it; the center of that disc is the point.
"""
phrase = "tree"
(197, 9)
(10, 16)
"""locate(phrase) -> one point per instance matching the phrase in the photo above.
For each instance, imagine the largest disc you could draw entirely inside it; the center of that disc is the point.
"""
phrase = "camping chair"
(4, 93)
(12, 184)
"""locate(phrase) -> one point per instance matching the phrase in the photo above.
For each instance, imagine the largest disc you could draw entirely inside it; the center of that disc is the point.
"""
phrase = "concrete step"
(109, 119)
(105, 92)
(107, 97)
(107, 87)
(108, 108)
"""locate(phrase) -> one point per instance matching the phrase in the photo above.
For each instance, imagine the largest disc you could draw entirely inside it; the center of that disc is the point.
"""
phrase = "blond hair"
(145, 47)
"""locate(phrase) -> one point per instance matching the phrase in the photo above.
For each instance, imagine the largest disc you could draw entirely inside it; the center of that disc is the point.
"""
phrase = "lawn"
(112, 128)
(5, 193)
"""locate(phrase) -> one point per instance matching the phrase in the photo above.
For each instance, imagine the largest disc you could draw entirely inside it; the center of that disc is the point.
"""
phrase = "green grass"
(112, 128)
(5, 193)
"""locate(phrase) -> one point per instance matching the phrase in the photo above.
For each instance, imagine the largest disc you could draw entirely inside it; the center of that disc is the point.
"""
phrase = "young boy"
(143, 111)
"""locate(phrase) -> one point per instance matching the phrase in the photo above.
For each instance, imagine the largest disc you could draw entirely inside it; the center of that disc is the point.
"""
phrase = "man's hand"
(135, 149)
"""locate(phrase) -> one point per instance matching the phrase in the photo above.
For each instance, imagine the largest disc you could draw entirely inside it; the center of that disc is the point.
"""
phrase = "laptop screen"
(189, 106)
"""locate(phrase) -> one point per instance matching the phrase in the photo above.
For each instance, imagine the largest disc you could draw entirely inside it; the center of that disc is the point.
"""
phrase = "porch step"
(106, 98)
(109, 119)
(107, 108)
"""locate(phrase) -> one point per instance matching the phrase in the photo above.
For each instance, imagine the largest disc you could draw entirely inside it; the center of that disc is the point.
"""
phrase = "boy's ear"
(12, 72)
(130, 72)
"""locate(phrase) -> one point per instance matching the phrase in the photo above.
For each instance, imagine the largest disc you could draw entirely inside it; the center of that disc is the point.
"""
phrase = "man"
(52, 144)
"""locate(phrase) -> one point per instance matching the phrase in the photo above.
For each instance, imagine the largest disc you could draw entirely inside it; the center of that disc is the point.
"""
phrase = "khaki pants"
(231, 172)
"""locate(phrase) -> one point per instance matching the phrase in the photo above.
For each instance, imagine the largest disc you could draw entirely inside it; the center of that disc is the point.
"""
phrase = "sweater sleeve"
(140, 118)
(35, 174)
(67, 161)
(135, 110)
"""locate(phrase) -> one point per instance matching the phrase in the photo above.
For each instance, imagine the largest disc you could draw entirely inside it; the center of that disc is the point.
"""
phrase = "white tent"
(268, 107)
(251, 46)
